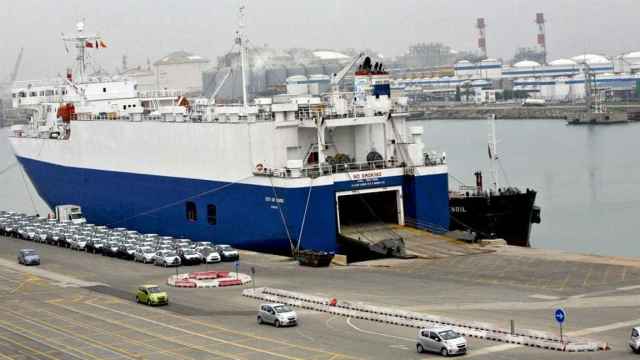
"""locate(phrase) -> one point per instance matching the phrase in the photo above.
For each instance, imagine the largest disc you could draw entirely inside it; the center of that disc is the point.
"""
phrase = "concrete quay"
(512, 111)
(82, 306)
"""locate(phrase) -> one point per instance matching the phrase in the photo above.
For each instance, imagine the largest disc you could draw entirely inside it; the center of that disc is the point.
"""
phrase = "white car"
(441, 340)
(227, 253)
(634, 341)
(144, 255)
(277, 314)
(78, 242)
(167, 258)
(210, 256)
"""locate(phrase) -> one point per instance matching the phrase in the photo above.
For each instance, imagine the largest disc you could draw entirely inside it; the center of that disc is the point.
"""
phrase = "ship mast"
(241, 41)
(80, 40)
(493, 152)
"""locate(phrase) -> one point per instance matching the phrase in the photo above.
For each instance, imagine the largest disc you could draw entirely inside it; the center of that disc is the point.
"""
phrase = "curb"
(208, 279)
(358, 310)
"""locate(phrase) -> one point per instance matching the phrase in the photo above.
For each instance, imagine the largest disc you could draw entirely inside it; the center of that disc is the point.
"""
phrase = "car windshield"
(188, 252)
(153, 290)
(282, 309)
(148, 251)
(225, 247)
(29, 252)
(170, 254)
(449, 335)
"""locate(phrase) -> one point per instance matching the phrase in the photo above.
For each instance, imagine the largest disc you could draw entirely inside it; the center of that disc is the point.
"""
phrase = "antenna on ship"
(493, 151)
(81, 41)
(241, 40)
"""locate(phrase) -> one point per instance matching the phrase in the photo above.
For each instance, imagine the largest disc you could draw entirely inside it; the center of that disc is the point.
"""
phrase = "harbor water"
(586, 177)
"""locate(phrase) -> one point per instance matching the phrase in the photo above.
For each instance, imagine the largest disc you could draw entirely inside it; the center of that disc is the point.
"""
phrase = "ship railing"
(169, 93)
(318, 170)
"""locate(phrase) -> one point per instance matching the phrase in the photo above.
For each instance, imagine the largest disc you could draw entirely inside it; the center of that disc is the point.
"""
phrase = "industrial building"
(561, 80)
(274, 71)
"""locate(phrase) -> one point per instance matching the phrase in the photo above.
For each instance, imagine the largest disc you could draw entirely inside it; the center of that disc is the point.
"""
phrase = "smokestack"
(542, 37)
(482, 39)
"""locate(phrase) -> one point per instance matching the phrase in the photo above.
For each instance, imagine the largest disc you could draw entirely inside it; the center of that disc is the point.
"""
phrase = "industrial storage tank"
(319, 84)
(297, 85)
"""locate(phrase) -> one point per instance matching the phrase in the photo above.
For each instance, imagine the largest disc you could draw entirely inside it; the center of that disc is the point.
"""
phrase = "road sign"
(560, 316)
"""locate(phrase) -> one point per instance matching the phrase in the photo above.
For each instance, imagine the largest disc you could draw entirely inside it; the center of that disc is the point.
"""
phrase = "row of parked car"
(114, 242)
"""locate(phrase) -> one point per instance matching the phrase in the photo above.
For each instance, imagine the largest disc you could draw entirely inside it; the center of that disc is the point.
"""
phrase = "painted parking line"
(75, 335)
(241, 333)
(165, 338)
(35, 338)
(141, 344)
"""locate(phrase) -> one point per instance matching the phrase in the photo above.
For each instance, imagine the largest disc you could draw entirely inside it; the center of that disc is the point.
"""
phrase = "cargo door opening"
(374, 206)
(366, 221)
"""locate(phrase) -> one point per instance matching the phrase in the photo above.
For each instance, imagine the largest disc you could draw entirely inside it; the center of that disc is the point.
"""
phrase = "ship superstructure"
(275, 174)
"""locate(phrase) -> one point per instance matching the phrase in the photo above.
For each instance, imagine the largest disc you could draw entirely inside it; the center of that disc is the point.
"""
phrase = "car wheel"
(276, 323)
(420, 348)
(260, 320)
(444, 352)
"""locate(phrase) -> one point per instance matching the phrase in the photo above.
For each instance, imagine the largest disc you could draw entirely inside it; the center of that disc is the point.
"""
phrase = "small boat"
(314, 258)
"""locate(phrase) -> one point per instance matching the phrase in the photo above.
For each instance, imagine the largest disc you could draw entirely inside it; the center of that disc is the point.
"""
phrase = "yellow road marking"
(166, 338)
(257, 337)
(73, 334)
(204, 336)
(24, 282)
(3, 355)
(111, 333)
(56, 301)
(12, 327)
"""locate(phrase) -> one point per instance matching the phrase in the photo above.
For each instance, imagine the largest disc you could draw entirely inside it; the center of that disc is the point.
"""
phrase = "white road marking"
(379, 334)
(491, 350)
(543, 297)
(583, 332)
(401, 347)
(627, 288)
(304, 335)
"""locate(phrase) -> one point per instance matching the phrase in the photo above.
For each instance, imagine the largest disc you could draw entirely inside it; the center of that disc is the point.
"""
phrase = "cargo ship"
(505, 213)
(278, 175)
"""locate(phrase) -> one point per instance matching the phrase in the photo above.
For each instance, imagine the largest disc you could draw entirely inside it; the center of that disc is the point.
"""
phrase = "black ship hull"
(507, 215)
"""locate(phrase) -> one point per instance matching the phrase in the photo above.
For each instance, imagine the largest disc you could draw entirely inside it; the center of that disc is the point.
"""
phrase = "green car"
(151, 295)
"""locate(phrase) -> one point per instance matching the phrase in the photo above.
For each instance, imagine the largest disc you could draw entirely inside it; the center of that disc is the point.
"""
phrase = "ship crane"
(16, 67)
(337, 77)
(212, 98)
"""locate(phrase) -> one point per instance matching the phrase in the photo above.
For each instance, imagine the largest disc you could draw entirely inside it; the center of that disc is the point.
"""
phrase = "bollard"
(513, 327)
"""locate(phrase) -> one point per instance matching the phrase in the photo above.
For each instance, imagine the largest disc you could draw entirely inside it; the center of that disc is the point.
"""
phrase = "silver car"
(28, 257)
(277, 314)
(166, 258)
(441, 340)
(144, 255)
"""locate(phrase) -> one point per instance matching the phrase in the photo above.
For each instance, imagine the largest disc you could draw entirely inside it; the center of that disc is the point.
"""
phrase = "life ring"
(259, 167)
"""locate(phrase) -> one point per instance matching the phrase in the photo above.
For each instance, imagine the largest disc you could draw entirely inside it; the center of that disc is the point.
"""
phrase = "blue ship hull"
(253, 217)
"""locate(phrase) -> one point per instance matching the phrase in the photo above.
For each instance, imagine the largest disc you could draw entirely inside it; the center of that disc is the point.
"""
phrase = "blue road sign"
(560, 316)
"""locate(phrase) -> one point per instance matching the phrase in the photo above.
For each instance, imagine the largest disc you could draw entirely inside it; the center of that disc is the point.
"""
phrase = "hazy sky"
(152, 28)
